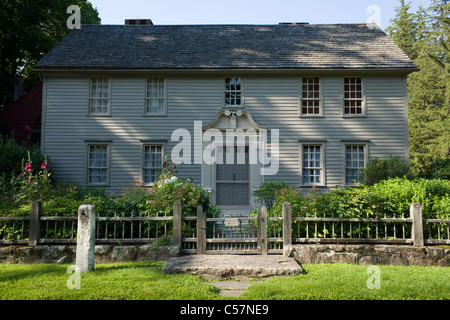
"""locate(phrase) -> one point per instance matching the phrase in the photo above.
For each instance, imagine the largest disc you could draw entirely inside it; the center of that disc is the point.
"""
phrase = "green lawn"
(146, 281)
(349, 282)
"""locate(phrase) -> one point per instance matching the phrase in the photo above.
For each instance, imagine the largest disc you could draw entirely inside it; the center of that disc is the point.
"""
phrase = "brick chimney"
(140, 22)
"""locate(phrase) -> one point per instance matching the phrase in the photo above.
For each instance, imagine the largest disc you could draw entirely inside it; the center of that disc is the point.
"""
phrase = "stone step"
(234, 267)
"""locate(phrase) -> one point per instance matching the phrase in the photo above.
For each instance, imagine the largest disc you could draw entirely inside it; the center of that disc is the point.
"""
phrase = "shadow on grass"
(17, 272)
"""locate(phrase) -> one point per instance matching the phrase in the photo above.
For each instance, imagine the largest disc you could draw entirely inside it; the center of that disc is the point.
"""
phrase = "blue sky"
(248, 11)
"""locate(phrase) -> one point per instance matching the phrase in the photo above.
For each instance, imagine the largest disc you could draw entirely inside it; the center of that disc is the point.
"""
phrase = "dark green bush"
(439, 169)
(265, 193)
(380, 169)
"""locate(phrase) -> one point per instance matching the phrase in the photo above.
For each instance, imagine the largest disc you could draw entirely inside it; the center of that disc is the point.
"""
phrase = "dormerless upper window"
(155, 96)
(233, 91)
(99, 96)
(353, 96)
(311, 101)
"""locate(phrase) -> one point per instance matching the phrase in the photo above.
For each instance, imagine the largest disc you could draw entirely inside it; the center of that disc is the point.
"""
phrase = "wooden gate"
(233, 235)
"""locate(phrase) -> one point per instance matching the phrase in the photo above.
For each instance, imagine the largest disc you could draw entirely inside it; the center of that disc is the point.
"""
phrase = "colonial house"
(232, 105)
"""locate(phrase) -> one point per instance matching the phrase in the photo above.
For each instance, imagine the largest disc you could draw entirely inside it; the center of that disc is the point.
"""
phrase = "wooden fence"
(255, 234)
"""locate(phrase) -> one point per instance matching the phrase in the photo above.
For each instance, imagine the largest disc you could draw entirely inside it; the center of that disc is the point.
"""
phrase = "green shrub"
(439, 169)
(379, 169)
(265, 193)
(390, 198)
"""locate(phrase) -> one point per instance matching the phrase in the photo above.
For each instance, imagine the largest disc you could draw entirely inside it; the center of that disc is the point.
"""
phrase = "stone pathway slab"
(234, 267)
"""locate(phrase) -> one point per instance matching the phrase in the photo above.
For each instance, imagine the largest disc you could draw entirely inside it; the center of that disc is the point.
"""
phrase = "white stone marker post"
(86, 238)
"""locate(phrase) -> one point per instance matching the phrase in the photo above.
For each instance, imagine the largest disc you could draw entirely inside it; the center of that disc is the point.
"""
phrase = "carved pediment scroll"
(233, 119)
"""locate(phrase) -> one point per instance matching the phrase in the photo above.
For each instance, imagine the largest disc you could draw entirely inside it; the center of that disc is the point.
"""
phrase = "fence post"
(287, 227)
(262, 230)
(35, 223)
(417, 225)
(85, 256)
(177, 223)
(201, 230)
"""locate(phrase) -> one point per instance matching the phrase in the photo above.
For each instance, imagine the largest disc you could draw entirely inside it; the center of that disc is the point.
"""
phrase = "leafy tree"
(404, 29)
(28, 30)
(424, 36)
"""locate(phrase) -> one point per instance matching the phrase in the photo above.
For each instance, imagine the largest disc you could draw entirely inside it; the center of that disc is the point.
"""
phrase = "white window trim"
(320, 143)
(321, 107)
(106, 114)
(108, 161)
(230, 106)
(363, 98)
(346, 144)
(145, 144)
(150, 114)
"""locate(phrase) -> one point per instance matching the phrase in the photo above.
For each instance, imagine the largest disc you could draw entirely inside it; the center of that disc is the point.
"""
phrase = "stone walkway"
(237, 268)
(232, 288)
(233, 267)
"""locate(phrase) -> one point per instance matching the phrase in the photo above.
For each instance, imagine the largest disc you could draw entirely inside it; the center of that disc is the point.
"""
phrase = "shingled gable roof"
(181, 47)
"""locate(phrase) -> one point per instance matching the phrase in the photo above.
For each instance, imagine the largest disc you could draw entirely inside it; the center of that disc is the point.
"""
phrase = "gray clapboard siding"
(272, 101)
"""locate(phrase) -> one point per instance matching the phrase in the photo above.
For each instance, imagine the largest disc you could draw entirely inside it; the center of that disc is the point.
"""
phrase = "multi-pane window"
(98, 164)
(155, 96)
(312, 164)
(354, 161)
(233, 91)
(153, 161)
(311, 96)
(99, 96)
(353, 96)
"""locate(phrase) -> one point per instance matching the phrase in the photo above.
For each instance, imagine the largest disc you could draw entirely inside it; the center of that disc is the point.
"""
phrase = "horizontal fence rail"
(248, 234)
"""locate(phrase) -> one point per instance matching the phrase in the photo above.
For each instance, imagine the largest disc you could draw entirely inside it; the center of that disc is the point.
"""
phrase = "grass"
(146, 281)
(119, 281)
(349, 282)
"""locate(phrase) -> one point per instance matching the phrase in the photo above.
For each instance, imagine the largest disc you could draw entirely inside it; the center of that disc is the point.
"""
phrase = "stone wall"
(371, 254)
(65, 254)
(307, 254)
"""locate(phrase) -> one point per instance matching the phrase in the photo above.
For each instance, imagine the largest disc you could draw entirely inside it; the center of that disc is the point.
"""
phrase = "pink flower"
(28, 167)
(45, 165)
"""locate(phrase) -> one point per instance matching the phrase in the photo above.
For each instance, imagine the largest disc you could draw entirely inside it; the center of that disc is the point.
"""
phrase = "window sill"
(155, 115)
(99, 115)
(312, 185)
(98, 185)
(311, 116)
(353, 116)
(148, 185)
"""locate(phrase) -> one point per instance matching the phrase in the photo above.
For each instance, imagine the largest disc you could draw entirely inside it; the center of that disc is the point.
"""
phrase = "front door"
(233, 177)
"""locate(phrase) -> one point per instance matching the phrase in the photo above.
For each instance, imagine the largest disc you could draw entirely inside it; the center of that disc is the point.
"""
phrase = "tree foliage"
(28, 30)
(424, 37)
